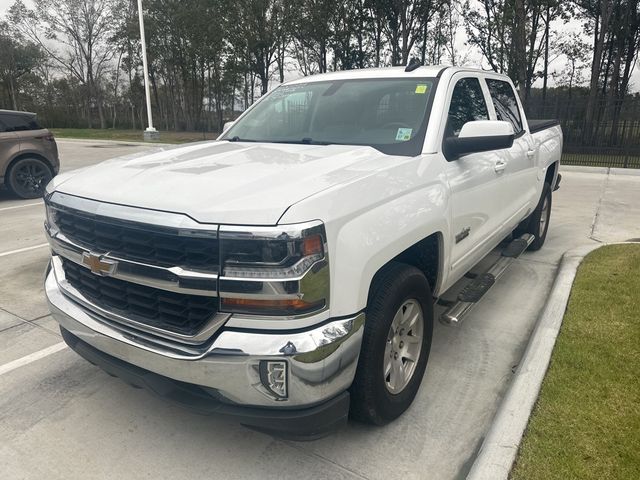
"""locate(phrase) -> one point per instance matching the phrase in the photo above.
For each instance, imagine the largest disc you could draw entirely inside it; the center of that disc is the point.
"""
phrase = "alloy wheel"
(403, 347)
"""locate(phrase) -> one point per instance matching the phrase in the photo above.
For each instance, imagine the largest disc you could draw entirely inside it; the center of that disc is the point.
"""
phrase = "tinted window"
(467, 105)
(19, 123)
(387, 114)
(504, 100)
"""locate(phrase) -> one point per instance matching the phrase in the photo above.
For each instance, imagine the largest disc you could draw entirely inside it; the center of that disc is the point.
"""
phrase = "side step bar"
(474, 291)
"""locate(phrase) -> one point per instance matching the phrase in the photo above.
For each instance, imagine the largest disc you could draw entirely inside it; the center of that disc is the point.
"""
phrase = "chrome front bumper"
(321, 360)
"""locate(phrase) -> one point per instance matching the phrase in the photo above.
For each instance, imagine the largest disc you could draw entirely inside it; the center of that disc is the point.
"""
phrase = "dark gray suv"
(28, 154)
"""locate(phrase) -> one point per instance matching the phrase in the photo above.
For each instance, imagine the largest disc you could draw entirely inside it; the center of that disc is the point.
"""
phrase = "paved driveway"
(61, 417)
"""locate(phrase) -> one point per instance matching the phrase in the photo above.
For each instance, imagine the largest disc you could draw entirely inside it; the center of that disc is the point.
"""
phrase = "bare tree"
(18, 57)
(604, 9)
(405, 22)
(76, 34)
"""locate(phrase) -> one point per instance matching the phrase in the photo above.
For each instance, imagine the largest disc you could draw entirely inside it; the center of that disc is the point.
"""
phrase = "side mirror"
(479, 136)
(227, 126)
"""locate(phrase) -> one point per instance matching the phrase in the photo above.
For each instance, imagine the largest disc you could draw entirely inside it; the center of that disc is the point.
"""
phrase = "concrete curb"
(581, 169)
(624, 171)
(500, 445)
(605, 170)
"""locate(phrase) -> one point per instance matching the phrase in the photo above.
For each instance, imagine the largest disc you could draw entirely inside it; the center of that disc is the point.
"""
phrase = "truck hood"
(223, 182)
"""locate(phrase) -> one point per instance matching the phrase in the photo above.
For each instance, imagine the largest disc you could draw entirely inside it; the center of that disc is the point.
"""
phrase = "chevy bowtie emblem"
(99, 265)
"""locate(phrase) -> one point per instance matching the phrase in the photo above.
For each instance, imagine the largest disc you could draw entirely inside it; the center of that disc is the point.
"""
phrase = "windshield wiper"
(304, 141)
(238, 139)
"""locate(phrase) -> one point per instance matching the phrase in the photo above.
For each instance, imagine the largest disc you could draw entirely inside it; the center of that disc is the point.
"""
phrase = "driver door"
(476, 180)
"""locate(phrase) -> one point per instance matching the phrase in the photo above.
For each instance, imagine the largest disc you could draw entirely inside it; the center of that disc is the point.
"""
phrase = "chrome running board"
(473, 292)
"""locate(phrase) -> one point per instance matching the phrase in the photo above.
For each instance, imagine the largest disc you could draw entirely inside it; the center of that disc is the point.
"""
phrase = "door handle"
(531, 153)
(500, 166)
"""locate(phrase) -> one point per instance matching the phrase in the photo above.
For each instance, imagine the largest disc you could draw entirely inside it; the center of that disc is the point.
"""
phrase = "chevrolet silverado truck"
(286, 273)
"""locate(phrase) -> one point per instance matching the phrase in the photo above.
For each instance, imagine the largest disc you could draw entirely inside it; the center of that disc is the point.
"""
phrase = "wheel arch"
(28, 154)
(552, 173)
(426, 255)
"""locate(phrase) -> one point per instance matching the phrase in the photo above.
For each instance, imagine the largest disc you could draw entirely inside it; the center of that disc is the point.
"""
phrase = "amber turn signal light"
(312, 245)
(251, 305)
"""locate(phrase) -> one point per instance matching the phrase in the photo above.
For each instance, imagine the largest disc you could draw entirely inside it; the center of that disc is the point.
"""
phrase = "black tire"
(392, 288)
(28, 177)
(533, 223)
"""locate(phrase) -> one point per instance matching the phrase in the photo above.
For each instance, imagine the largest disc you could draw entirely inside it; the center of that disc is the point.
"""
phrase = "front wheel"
(395, 345)
(537, 224)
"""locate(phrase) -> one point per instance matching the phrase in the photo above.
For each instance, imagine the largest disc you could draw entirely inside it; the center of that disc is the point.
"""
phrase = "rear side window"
(505, 103)
(18, 123)
(467, 105)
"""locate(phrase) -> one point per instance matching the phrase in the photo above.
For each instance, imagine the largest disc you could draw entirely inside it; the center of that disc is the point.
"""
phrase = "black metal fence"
(610, 139)
(620, 157)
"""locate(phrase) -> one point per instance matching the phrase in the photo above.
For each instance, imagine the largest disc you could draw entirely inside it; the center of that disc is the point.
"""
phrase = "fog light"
(273, 375)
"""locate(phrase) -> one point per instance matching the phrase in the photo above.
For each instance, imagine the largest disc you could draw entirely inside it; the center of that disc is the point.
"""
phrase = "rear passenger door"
(477, 188)
(520, 160)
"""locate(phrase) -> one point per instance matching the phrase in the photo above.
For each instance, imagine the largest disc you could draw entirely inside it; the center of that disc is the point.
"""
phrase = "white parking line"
(25, 249)
(21, 362)
(21, 206)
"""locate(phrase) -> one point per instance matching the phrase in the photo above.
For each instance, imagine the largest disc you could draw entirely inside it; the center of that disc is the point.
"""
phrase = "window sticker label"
(403, 134)
(422, 89)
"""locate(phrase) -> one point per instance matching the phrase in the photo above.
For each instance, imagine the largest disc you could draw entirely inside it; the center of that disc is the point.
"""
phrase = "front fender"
(368, 242)
(373, 219)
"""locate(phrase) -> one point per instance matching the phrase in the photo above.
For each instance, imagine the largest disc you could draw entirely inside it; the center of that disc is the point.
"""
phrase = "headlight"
(276, 271)
(50, 218)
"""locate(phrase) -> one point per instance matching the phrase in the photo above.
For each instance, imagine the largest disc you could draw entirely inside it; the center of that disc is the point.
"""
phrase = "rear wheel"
(395, 346)
(537, 223)
(28, 177)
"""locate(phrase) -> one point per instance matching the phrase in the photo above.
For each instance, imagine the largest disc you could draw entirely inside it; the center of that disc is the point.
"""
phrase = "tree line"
(78, 62)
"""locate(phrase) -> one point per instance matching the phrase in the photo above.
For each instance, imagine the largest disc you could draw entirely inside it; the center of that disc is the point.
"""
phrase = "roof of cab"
(387, 72)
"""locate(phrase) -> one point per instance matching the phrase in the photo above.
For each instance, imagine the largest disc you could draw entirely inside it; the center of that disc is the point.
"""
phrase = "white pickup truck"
(286, 273)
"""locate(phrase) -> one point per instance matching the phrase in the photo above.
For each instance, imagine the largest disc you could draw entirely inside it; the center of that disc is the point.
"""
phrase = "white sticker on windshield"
(403, 134)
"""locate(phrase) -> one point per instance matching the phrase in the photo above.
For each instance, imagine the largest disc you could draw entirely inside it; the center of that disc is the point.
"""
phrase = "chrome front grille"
(162, 277)
(136, 241)
(175, 312)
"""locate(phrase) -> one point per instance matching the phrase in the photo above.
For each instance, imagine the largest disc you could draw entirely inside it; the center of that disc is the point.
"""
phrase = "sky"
(474, 57)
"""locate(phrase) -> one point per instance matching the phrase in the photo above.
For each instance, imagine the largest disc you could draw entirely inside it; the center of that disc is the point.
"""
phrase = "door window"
(505, 103)
(467, 105)
(19, 123)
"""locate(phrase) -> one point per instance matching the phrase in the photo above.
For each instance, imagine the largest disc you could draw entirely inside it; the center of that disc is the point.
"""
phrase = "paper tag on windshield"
(403, 134)
(421, 89)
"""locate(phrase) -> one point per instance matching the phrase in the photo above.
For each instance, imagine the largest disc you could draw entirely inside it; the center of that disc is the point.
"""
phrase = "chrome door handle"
(531, 153)
(500, 166)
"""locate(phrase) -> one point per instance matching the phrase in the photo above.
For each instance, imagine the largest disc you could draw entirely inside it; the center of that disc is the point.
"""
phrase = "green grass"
(586, 423)
(130, 135)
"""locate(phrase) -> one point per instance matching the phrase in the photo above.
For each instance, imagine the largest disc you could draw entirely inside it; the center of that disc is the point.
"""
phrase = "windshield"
(386, 114)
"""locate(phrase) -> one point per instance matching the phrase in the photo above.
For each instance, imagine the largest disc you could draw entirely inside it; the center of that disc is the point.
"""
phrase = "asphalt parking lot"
(61, 417)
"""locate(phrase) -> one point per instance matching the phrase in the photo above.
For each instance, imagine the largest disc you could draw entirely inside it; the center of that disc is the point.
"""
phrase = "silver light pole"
(150, 133)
